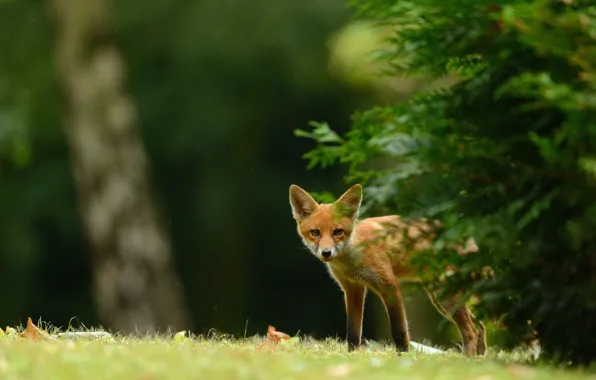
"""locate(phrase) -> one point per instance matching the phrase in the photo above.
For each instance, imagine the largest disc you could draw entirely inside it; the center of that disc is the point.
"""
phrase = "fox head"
(325, 228)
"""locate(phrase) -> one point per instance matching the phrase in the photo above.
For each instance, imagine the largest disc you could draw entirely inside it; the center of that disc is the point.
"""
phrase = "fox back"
(333, 233)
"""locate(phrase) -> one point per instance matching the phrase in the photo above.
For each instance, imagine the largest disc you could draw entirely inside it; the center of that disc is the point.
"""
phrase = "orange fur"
(372, 254)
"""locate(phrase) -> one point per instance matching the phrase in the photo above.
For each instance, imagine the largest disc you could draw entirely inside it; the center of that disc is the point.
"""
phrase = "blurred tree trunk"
(135, 286)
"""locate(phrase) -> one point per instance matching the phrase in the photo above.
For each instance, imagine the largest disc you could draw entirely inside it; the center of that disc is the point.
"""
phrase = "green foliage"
(506, 155)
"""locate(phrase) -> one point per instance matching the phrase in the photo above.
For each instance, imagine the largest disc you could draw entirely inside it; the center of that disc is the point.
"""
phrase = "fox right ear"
(302, 203)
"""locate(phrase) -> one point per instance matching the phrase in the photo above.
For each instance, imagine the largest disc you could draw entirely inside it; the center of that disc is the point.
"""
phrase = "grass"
(222, 358)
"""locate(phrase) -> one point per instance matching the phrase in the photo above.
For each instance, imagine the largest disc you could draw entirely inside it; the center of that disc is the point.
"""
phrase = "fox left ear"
(349, 203)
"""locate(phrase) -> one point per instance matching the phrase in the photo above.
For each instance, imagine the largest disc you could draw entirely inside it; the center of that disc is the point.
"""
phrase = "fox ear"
(349, 203)
(302, 203)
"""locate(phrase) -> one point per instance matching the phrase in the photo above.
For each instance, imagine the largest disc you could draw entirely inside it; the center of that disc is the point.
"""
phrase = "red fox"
(359, 257)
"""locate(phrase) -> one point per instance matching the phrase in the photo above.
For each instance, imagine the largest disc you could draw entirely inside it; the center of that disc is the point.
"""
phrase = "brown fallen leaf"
(34, 333)
(275, 336)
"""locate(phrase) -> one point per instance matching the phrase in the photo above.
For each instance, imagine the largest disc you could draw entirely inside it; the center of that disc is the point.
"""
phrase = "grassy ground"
(221, 358)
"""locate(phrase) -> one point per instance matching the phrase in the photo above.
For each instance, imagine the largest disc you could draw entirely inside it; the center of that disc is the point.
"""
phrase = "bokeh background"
(219, 87)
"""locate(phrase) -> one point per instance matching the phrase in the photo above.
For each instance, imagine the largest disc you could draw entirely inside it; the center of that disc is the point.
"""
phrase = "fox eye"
(338, 232)
(315, 232)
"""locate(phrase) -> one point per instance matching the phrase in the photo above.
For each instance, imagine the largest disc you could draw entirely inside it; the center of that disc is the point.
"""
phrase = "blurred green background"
(220, 86)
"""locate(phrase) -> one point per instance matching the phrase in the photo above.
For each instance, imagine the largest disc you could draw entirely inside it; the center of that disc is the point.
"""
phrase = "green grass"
(221, 358)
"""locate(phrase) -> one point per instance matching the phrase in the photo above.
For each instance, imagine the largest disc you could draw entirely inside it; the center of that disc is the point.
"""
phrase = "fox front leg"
(354, 299)
(396, 314)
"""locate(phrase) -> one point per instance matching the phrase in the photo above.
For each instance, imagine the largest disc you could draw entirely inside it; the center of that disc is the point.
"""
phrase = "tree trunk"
(135, 286)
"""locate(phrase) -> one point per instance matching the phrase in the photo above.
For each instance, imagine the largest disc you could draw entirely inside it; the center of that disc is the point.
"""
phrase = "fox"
(370, 254)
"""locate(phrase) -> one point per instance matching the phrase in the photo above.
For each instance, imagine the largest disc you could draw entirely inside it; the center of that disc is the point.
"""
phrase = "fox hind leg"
(481, 348)
(473, 338)
(464, 319)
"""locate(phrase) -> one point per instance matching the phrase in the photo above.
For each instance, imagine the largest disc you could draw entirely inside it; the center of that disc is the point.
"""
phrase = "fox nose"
(326, 253)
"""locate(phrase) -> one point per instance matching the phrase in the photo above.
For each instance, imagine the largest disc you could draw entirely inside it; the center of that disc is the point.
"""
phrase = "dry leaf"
(275, 336)
(33, 332)
(266, 346)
